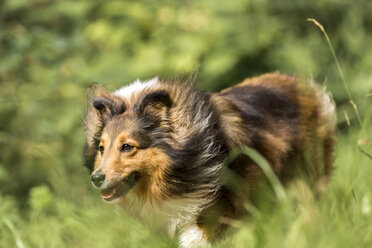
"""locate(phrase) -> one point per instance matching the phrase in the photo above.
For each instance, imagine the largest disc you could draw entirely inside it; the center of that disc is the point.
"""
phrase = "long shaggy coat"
(160, 148)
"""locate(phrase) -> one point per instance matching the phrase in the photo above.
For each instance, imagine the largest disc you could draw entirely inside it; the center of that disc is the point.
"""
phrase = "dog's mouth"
(121, 188)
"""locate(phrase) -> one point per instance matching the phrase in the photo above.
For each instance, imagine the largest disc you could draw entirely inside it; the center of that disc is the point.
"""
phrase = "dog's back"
(282, 118)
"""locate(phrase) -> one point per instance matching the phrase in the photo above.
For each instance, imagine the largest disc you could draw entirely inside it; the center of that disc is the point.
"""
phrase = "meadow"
(51, 51)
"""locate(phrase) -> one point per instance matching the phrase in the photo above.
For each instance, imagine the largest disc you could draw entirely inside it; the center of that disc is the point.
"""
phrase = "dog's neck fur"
(198, 147)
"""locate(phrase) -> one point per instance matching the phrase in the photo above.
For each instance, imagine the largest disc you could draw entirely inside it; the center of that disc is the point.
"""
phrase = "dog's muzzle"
(112, 189)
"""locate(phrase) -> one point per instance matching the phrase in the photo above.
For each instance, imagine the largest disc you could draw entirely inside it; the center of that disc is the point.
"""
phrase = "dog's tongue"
(108, 193)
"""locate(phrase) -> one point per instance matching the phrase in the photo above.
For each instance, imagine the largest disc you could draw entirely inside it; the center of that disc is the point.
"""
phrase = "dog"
(159, 148)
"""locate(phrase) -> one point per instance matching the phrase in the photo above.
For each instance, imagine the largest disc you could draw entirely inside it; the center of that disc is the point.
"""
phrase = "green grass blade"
(13, 230)
(260, 161)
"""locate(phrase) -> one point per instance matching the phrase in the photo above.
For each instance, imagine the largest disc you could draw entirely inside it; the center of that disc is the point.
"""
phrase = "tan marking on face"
(154, 162)
(112, 161)
(151, 163)
(104, 142)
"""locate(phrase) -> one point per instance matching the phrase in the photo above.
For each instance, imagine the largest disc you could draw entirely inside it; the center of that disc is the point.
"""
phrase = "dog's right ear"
(108, 106)
(95, 111)
(101, 106)
(104, 106)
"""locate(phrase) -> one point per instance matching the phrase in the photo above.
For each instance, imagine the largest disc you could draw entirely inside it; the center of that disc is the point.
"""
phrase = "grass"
(342, 217)
(69, 213)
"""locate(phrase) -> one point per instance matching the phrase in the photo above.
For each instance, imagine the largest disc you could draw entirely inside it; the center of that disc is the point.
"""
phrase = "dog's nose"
(98, 178)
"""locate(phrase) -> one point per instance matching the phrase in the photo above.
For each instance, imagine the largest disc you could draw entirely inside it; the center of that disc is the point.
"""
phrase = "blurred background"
(51, 51)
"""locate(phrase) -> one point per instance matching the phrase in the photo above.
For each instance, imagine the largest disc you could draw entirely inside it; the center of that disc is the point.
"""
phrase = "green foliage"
(50, 51)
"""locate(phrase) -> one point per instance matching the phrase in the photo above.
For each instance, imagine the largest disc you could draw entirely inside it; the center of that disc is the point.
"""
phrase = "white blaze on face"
(136, 87)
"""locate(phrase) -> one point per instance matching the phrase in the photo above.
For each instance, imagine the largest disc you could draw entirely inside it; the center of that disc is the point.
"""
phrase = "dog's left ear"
(153, 101)
(153, 107)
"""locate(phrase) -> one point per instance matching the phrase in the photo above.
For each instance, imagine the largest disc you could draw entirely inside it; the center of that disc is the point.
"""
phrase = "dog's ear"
(153, 108)
(153, 101)
(108, 106)
(93, 118)
(100, 106)
(104, 106)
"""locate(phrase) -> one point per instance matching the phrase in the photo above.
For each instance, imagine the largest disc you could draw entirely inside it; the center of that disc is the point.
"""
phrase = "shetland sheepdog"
(159, 148)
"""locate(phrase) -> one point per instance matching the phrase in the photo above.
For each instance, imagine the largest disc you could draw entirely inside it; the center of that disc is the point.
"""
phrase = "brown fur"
(151, 163)
(181, 138)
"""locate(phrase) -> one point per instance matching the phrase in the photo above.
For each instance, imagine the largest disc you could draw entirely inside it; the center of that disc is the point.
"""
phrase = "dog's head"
(126, 142)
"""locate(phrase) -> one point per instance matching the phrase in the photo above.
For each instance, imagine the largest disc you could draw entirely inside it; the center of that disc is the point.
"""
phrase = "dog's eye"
(101, 149)
(126, 148)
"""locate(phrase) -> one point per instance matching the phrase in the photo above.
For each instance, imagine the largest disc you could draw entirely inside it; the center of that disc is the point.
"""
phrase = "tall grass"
(51, 51)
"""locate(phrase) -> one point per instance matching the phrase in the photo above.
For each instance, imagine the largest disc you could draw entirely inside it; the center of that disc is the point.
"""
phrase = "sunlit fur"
(182, 137)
